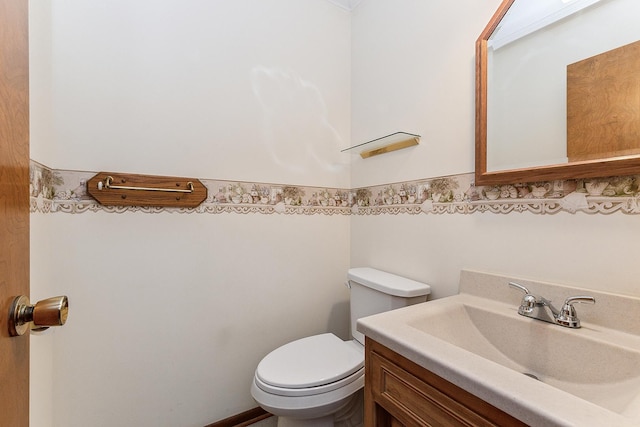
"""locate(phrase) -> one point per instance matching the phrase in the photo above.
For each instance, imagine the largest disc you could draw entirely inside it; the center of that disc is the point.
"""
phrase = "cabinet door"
(405, 394)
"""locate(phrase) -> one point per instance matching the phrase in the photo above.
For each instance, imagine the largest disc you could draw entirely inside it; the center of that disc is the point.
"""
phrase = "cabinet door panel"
(405, 394)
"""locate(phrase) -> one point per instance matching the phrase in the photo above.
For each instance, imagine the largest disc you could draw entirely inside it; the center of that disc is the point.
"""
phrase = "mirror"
(526, 106)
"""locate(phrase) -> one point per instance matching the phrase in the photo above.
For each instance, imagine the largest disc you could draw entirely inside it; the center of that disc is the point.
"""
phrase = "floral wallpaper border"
(65, 191)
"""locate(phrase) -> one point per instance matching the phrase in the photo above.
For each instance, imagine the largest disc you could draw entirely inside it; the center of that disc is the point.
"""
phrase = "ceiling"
(346, 4)
(525, 17)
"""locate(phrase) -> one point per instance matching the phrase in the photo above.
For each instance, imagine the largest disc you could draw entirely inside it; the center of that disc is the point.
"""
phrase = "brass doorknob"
(45, 313)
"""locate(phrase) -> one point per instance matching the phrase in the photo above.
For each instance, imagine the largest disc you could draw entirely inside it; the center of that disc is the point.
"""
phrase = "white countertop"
(533, 402)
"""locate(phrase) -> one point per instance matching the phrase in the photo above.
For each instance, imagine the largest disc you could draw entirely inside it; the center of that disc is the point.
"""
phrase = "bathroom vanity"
(472, 359)
(399, 392)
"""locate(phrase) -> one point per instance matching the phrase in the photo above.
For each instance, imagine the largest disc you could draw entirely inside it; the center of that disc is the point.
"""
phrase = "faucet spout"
(544, 310)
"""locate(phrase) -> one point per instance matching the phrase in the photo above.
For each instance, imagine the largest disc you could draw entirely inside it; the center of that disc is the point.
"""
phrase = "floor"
(268, 422)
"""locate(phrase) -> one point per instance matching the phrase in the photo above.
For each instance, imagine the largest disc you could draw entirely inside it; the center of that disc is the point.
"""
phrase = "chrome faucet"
(541, 308)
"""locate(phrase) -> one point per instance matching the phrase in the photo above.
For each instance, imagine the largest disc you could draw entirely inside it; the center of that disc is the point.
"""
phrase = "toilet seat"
(310, 366)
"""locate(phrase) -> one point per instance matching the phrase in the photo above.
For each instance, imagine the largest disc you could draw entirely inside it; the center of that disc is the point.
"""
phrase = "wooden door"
(603, 105)
(14, 207)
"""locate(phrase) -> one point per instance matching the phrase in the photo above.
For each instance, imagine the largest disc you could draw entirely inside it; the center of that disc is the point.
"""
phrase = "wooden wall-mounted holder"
(119, 189)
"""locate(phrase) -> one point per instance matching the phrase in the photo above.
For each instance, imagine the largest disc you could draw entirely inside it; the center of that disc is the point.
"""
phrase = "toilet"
(315, 381)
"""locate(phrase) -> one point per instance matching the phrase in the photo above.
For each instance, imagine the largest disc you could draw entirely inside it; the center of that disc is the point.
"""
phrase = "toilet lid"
(310, 362)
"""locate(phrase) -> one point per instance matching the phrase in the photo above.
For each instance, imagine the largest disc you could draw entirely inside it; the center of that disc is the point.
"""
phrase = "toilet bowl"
(309, 379)
(314, 381)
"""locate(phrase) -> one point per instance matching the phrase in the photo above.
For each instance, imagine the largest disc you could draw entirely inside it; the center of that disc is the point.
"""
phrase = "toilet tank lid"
(388, 283)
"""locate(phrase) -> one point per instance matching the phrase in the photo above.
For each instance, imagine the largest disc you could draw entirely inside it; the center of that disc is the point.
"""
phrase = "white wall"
(169, 316)
(41, 364)
(427, 86)
(413, 71)
(591, 251)
(244, 89)
(170, 313)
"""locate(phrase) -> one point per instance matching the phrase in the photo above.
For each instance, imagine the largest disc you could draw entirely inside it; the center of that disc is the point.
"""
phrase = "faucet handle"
(528, 300)
(519, 286)
(568, 316)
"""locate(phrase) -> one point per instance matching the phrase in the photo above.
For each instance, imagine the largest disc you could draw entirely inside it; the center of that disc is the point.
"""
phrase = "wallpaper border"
(64, 191)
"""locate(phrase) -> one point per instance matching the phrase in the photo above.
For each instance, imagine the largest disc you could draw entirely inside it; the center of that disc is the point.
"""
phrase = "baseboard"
(244, 419)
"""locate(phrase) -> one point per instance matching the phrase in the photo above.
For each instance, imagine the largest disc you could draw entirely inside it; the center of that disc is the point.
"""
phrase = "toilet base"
(314, 422)
(350, 415)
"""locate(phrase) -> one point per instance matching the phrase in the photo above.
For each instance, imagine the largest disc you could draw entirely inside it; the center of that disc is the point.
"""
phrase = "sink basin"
(540, 373)
(589, 363)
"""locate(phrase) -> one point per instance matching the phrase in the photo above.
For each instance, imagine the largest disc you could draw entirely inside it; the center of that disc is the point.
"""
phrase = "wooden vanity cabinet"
(399, 393)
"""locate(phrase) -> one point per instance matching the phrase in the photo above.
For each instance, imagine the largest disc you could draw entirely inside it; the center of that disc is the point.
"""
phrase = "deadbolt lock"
(49, 312)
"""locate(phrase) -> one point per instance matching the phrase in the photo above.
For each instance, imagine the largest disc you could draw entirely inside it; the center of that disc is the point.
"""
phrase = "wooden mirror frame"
(614, 166)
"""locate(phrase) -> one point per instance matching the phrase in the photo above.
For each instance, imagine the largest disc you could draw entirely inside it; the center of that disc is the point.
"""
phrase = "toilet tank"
(374, 291)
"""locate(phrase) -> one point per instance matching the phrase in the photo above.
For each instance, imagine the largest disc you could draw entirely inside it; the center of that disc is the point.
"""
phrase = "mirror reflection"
(563, 72)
